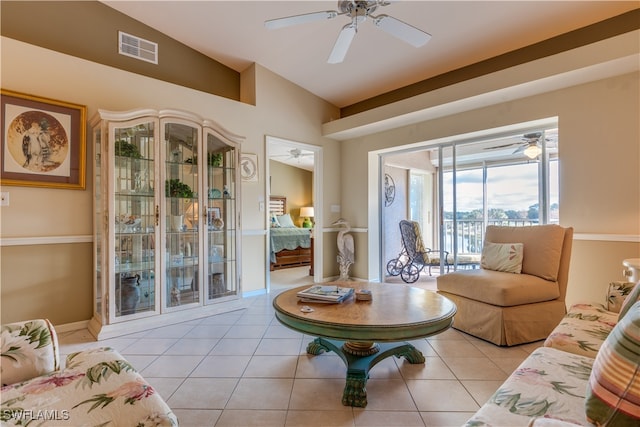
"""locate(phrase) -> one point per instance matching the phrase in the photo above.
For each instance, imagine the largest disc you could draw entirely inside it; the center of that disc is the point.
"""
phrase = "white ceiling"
(463, 32)
(291, 154)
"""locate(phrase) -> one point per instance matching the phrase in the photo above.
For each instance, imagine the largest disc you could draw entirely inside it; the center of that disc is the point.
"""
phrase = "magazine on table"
(325, 293)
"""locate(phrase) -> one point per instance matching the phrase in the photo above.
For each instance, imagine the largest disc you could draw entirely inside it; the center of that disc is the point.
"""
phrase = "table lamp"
(307, 214)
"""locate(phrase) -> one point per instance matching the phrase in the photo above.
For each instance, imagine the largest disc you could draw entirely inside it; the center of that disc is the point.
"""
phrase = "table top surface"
(395, 313)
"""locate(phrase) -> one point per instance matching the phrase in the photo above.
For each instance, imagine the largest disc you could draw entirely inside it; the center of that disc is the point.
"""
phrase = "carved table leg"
(316, 347)
(355, 389)
(360, 357)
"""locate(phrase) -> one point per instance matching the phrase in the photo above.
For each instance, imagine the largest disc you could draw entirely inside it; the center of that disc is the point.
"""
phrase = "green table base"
(358, 367)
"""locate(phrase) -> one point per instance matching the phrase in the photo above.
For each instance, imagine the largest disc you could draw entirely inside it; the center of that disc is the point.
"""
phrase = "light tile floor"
(244, 368)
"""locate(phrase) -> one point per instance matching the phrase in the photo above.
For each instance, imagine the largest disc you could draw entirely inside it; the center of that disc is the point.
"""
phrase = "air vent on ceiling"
(137, 48)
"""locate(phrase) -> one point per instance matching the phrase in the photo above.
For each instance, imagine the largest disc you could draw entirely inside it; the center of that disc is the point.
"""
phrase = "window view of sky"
(512, 187)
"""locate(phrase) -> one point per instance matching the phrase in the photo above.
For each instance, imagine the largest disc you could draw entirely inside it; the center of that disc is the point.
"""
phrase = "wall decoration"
(249, 166)
(389, 190)
(43, 142)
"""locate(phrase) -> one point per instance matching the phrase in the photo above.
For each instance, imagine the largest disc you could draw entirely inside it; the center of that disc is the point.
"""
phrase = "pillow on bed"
(274, 221)
(285, 221)
(505, 257)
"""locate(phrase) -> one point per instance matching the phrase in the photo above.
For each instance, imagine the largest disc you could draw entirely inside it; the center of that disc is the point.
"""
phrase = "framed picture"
(43, 142)
(249, 166)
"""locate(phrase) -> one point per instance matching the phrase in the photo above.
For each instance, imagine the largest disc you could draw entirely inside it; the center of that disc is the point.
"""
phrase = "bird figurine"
(346, 249)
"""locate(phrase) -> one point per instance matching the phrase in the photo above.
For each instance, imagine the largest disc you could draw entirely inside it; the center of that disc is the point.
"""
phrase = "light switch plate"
(4, 198)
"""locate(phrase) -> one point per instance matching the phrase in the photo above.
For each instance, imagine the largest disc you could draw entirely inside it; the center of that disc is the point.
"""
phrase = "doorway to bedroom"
(292, 212)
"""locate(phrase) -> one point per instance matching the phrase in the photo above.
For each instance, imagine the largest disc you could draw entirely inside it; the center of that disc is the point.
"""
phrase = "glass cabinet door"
(181, 210)
(166, 223)
(221, 243)
(134, 219)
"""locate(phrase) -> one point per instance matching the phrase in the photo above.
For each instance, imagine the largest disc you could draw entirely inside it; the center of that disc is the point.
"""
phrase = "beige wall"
(295, 184)
(599, 154)
(281, 109)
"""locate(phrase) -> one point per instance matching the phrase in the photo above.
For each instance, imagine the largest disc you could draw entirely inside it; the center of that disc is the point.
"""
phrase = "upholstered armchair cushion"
(29, 349)
(542, 247)
(498, 288)
(549, 383)
(98, 387)
(583, 329)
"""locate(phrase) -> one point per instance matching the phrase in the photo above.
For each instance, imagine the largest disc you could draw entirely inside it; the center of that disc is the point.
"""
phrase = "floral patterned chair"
(586, 325)
(562, 387)
(97, 387)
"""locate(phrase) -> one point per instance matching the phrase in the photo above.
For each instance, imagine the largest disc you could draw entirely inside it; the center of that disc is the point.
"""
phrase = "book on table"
(325, 293)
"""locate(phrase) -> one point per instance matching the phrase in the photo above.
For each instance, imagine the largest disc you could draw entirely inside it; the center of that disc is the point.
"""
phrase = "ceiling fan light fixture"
(532, 151)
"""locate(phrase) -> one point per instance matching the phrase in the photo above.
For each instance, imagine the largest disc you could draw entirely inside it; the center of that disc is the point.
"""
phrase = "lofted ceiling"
(463, 33)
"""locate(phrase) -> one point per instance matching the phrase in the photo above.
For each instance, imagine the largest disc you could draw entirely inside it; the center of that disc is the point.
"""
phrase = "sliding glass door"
(509, 179)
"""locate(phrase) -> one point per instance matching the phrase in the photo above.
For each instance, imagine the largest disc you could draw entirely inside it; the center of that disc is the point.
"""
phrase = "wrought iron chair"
(414, 257)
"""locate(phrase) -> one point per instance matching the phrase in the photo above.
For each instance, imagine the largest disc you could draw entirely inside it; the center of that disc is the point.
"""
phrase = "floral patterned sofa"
(587, 373)
(97, 387)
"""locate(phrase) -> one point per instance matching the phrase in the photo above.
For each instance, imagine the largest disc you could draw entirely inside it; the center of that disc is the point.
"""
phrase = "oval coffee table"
(363, 333)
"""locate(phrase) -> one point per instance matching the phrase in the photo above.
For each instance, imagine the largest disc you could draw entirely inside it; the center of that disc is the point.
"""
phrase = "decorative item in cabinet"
(170, 251)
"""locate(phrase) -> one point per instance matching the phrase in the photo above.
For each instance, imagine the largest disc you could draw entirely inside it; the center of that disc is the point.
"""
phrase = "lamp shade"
(306, 212)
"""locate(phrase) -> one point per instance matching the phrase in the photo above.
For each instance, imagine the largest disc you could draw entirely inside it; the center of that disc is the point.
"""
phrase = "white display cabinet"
(167, 220)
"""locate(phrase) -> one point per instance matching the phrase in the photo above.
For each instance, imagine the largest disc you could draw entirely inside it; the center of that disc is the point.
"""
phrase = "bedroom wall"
(46, 252)
(295, 184)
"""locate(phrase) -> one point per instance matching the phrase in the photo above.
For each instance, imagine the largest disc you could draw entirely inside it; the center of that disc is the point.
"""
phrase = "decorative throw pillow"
(617, 293)
(274, 221)
(632, 298)
(613, 392)
(285, 221)
(29, 349)
(505, 257)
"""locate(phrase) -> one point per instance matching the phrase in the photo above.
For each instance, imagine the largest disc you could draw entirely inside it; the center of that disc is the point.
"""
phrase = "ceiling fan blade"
(343, 42)
(274, 24)
(496, 147)
(402, 30)
(521, 149)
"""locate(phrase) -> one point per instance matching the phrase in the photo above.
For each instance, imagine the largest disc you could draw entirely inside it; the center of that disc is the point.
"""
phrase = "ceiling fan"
(358, 11)
(294, 153)
(529, 145)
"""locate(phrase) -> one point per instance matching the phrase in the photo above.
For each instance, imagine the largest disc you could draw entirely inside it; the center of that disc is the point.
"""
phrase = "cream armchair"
(508, 308)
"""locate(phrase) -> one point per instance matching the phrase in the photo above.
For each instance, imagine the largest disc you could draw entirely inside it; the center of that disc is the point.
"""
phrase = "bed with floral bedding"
(97, 387)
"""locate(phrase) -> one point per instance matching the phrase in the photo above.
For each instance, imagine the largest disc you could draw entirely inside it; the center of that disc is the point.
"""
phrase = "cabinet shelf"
(151, 234)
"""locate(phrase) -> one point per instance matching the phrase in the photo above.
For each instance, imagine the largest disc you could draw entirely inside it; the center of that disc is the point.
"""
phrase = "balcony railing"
(470, 236)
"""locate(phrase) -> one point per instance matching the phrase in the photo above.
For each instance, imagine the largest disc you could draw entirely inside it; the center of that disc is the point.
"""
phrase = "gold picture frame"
(43, 142)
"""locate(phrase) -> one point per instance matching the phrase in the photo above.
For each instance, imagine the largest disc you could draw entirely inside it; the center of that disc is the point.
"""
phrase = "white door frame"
(317, 202)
